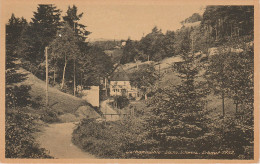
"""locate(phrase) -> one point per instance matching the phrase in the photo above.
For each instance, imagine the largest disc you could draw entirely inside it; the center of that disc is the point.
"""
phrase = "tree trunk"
(63, 76)
(231, 30)
(236, 107)
(223, 103)
(54, 76)
(145, 96)
(81, 82)
(216, 33)
(74, 77)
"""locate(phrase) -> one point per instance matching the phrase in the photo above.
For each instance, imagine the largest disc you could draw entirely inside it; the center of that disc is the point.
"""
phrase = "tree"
(228, 21)
(130, 52)
(152, 43)
(19, 141)
(177, 119)
(194, 18)
(217, 77)
(64, 47)
(94, 64)
(168, 42)
(15, 95)
(38, 35)
(144, 79)
(72, 18)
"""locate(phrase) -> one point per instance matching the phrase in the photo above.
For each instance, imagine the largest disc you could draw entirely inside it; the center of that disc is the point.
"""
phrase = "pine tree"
(129, 52)
(144, 78)
(72, 18)
(15, 95)
(177, 119)
(42, 30)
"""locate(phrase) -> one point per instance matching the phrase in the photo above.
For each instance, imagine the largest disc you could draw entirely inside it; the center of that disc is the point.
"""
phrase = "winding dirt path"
(56, 138)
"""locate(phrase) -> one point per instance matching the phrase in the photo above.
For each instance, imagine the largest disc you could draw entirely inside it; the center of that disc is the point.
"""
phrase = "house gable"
(119, 75)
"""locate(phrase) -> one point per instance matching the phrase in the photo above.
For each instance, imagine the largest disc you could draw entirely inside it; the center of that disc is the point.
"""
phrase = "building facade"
(120, 84)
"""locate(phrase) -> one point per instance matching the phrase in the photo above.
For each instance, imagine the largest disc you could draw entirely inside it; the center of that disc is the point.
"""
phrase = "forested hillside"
(71, 62)
(196, 85)
(218, 25)
(180, 119)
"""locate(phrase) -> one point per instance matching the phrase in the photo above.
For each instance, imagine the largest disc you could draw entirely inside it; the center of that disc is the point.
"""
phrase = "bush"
(50, 116)
(18, 96)
(121, 101)
(19, 141)
(110, 140)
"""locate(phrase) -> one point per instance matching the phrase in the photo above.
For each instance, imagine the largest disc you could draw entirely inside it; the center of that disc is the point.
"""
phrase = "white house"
(120, 84)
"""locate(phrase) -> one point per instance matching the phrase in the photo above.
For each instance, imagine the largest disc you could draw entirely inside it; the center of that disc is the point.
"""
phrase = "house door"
(123, 91)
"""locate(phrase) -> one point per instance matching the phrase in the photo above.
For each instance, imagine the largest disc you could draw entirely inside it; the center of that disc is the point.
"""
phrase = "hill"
(169, 77)
(115, 54)
(58, 101)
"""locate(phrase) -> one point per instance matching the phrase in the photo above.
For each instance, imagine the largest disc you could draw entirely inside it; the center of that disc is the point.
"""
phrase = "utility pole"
(74, 66)
(192, 45)
(47, 78)
(159, 70)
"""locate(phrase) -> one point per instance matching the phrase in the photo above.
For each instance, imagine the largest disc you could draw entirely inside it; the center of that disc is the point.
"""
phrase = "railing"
(124, 115)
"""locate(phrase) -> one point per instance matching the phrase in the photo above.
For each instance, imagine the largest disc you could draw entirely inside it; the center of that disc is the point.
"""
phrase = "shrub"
(110, 140)
(121, 101)
(50, 116)
(19, 141)
(18, 96)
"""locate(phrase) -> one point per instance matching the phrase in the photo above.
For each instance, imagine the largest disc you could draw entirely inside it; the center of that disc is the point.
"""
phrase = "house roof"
(119, 74)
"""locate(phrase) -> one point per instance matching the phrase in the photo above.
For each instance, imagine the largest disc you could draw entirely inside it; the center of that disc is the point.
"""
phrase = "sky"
(117, 20)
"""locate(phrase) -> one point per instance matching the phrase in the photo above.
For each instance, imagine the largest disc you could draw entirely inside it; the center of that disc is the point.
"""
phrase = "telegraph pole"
(47, 78)
(74, 66)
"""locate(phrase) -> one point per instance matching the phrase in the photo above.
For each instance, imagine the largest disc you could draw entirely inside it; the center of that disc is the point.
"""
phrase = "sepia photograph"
(129, 80)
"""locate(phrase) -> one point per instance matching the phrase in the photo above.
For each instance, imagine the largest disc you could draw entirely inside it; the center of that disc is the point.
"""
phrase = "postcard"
(129, 81)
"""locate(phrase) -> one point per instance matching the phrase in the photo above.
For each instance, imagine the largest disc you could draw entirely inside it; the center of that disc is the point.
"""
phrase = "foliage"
(94, 64)
(228, 21)
(152, 44)
(107, 44)
(110, 140)
(64, 49)
(183, 41)
(144, 79)
(40, 32)
(194, 18)
(72, 18)
(50, 116)
(130, 52)
(16, 95)
(230, 73)
(169, 42)
(177, 118)
(121, 101)
(19, 141)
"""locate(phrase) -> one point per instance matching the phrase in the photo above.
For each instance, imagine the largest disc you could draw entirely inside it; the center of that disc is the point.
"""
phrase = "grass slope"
(58, 100)
(169, 77)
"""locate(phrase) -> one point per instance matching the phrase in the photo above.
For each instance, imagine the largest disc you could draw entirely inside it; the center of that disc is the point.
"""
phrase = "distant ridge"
(102, 39)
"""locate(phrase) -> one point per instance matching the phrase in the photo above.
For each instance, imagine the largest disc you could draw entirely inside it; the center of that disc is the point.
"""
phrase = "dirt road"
(56, 138)
(106, 109)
